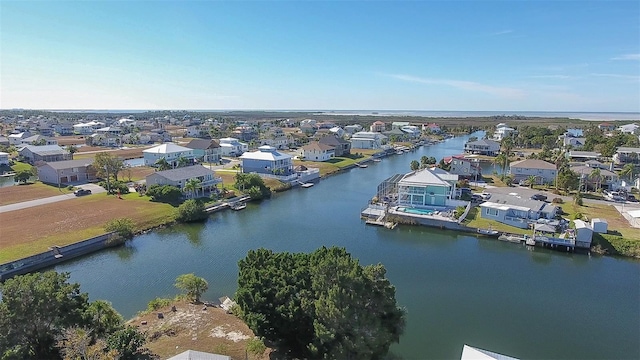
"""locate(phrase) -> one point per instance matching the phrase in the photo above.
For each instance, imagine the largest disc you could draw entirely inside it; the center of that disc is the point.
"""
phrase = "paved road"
(95, 189)
(526, 192)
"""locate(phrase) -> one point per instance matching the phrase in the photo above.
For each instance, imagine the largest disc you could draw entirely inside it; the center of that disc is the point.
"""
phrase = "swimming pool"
(418, 211)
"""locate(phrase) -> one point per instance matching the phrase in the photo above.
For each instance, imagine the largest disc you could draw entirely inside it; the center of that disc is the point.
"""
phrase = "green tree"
(124, 227)
(108, 165)
(192, 285)
(192, 210)
(164, 193)
(182, 161)
(78, 343)
(72, 150)
(162, 164)
(248, 181)
(128, 342)
(531, 180)
(424, 162)
(627, 171)
(191, 187)
(34, 311)
(23, 176)
(502, 160)
(596, 177)
(568, 180)
(415, 165)
(104, 319)
(319, 305)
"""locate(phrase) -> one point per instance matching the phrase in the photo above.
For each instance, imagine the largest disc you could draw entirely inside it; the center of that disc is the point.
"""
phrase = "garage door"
(63, 179)
(73, 178)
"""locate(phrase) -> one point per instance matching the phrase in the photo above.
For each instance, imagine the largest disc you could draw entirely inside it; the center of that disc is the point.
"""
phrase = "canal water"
(457, 288)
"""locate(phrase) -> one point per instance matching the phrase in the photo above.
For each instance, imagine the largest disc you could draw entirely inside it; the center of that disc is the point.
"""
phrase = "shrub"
(557, 200)
(122, 226)
(192, 210)
(459, 211)
(255, 346)
(164, 193)
(114, 186)
(70, 187)
(158, 303)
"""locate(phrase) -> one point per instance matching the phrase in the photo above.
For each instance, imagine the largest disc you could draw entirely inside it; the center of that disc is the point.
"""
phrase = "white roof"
(581, 224)
(424, 177)
(471, 353)
(265, 154)
(198, 355)
(3, 153)
(504, 207)
(166, 148)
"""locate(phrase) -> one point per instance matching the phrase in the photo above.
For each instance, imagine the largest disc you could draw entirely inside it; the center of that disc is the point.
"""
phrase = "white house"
(180, 176)
(626, 155)
(544, 172)
(584, 234)
(482, 147)
(38, 140)
(515, 210)
(629, 128)
(461, 166)
(16, 139)
(502, 131)
(367, 140)
(352, 129)
(87, 128)
(316, 151)
(337, 131)
(169, 151)
(411, 130)
(232, 147)
(267, 160)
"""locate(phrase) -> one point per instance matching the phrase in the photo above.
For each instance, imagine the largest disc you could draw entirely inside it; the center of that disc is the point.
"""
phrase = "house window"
(491, 211)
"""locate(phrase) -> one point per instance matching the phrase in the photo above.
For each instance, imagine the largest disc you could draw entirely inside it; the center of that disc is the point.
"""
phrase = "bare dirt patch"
(26, 192)
(70, 140)
(196, 327)
(136, 173)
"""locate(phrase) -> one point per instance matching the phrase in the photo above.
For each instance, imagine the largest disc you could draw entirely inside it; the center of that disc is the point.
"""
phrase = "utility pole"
(106, 169)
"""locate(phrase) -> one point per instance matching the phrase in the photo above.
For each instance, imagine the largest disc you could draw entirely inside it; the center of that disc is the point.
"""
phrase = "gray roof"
(534, 205)
(183, 173)
(332, 140)
(485, 142)
(68, 164)
(198, 355)
(45, 149)
(202, 144)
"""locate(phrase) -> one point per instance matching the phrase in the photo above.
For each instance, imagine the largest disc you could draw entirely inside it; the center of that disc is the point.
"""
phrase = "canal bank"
(457, 288)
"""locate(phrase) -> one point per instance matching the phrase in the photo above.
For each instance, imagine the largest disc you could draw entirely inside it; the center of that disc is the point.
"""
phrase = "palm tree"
(415, 165)
(162, 164)
(503, 160)
(183, 161)
(424, 161)
(191, 187)
(627, 170)
(596, 175)
(531, 180)
(72, 150)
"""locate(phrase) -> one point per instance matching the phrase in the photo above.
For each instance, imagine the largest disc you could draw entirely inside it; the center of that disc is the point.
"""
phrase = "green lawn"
(474, 220)
(19, 166)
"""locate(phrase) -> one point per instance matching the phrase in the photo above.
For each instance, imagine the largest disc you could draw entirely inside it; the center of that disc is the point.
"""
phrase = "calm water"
(457, 288)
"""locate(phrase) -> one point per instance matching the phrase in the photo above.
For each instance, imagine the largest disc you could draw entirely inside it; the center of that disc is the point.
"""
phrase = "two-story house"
(316, 151)
(482, 147)
(544, 172)
(205, 150)
(267, 160)
(232, 147)
(170, 152)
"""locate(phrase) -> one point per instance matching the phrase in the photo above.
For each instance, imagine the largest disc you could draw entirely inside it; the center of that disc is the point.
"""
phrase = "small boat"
(306, 185)
(488, 232)
(362, 165)
(376, 160)
(238, 205)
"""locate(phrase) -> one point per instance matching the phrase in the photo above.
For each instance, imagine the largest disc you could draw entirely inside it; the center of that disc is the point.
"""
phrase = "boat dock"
(227, 204)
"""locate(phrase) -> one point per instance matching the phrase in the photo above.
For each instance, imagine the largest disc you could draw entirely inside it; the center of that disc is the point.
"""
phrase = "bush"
(123, 227)
(158, 303)
(114, 186)
(70, 187)
(459, 211)
(192, 210)
(557, 201)
(255, 346)
(164, 193)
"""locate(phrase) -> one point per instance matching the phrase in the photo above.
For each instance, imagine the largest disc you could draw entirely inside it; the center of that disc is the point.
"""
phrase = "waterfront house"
(544, 172)
(397, 135)
(316, 151)
(463, 167)
(432, 128)
(502, 131)
(426, 187)
(69, 171)
(515, 210)
(4, 159)
(232, 147)
(626, 155)
(583, 234)
(169, 151)
(482, 147)
(267, 160)
(205, 150)
(368, 140)
(49, 153)
(609, 180)
(180, 176)
(377, 126)
(341, 146)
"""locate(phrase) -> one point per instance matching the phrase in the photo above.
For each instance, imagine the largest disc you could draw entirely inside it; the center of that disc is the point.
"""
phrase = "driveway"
(52, 199)
(526, 192)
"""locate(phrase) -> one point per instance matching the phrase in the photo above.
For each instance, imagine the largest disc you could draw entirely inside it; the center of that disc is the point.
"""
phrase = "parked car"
(81, 192)
(539, 197)
(632, 198)
(616, 196)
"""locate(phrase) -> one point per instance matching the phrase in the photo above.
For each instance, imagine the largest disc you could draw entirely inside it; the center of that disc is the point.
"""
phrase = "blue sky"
(341, 55)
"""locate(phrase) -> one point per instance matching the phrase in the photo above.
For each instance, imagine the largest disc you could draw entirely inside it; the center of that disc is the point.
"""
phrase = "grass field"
(25, 192)
(29, 231)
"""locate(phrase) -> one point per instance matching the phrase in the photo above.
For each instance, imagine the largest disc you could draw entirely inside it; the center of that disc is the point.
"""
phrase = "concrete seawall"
(54, 256)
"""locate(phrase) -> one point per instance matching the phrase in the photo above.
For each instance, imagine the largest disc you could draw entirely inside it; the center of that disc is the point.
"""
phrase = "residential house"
(199, 355)
(337, 131)
(502, 131)
(583, 234)
(137, 138)
(245, 133)
(103, 139)
(432, 128)
(463, 167)
(605, 126)
(352, 129)
(267, 160)
(368, 140)
(169, 151)
(4, 141)
(516, 211)
(316, 151)
(109, 130)
(629, 128)
(198, 131)
(326, 125)
(275, 137)
(573, 142)
(63, 129)
(4, 158)
(126, 122)
(412, 131)
(205, 150)
(341, 146)
(482, 147)
(180, 176)
(232, 147)
(544, 172)
(288, 123)
(49, 153)
(87, 128)
(608, 180)
(45, 130)
(397, 135)
(308, 128)
(68, 171)
(426, 188)
(582, 155)
(16, 139)
(399, 124)
(38, 140)
(308, 121)
(377, 126)
(626, 155)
